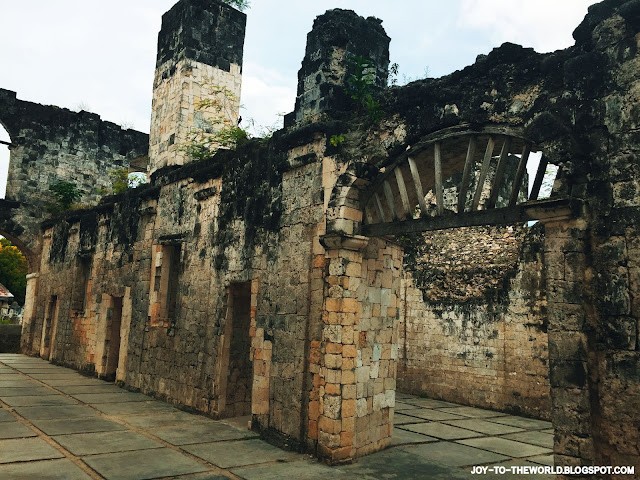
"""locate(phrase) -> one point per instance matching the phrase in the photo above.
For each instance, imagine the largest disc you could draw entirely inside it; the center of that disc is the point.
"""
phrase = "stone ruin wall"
(196, 87)
(581, 107)
(179, 361)
(472, 325)
(51, 144)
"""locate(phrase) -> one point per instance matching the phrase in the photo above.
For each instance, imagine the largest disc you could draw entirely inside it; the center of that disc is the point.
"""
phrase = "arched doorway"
(370, 209)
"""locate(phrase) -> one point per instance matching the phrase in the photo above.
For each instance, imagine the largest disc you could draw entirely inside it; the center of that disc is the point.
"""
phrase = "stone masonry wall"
(222, 238)
(196, 89)
(50, 144)
(190, 100)
(475, 332)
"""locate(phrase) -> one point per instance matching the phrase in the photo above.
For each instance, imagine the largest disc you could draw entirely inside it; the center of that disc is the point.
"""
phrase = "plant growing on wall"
(241, 5)
(122, 180)
(211, 134)
(64, 194)
(361, 87)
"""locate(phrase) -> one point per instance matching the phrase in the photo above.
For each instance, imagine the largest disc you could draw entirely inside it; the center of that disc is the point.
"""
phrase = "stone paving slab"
(401, 406)
(542, 460)
(429, 403)
(20, 363)
(56, 375)
(43, 470)
(303, 470)
(37, 400)
(200, 433)
(105, 442)
(528, 423)
(402, 463)
(42, 369)
(504, 446)
(453, 454)
(176, 417)
(110, 397)
(22, 391)
(18, 382)
(535, 438)
(433, 415)
(76, 380)
(5, 416)
(482, 426)
(77, 425)
(15, 430)
(204, 476)
(402, 419)
(404, 437)
(103, 388)
(143, 464)
(239, 453)
(472, 412)
(24, 449)
(440, 430)
(54, 411)
(133, 408)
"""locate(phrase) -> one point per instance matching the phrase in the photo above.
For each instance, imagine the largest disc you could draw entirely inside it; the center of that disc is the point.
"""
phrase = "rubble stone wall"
(473, 324)
(51, 144)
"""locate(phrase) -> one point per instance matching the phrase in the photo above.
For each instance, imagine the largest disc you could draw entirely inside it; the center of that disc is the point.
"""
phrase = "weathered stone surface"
(274, 239)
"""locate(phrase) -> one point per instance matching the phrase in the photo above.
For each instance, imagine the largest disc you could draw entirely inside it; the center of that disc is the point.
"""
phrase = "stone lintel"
(344, 242)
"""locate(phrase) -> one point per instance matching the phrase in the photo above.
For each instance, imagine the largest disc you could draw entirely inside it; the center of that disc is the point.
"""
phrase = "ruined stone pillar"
(29, 312)
(338, 37)
(196, 90)
(567, 305)
(351, 406)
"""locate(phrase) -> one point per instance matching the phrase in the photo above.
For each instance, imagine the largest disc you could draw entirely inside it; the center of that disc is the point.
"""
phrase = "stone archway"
(357, 355)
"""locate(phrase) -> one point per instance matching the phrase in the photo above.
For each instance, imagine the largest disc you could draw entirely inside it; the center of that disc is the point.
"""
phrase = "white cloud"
(545, 25)
(265, 94)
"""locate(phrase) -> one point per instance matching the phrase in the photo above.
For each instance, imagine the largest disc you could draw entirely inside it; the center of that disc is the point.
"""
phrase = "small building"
(6, 299)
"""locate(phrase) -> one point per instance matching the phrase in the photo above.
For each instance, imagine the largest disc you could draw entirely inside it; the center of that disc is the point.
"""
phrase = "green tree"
(65, 194)
(13, 270)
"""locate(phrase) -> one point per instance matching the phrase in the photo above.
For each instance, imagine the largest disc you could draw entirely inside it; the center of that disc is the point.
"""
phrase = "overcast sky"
(100, 55)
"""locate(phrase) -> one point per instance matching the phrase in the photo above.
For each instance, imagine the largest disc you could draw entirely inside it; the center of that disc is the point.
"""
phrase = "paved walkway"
(58, 424)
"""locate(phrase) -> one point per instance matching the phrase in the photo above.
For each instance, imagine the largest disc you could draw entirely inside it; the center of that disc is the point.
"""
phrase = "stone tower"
(337, 38)
(196, 89)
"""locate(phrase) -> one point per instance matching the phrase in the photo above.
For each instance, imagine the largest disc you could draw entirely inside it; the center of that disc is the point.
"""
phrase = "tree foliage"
(65, 194)
(241, 5)
(13, 270)
(361, 87)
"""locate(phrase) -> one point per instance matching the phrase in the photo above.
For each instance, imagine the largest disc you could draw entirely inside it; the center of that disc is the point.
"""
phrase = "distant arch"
(26, 251)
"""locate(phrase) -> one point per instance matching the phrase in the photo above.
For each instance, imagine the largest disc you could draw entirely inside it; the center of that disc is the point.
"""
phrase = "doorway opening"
(112, 342)
(49, 329)
(108, 337)
(237, 352)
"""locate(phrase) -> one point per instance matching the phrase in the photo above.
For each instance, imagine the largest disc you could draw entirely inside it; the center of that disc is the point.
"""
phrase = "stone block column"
(196, 89)
(351, 405)
(568, 304)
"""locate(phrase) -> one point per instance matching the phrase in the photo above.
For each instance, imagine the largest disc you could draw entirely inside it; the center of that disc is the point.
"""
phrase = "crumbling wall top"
(206, 31)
